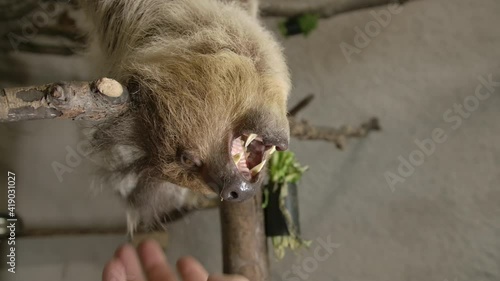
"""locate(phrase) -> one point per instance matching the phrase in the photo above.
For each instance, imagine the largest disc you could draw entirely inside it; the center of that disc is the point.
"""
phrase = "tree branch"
(10, 10)
(322, 8)
(300, 105)
(302, 130)
(99, 99)
(63, 25)
(244, 244)
(41, 48)
(74, 100)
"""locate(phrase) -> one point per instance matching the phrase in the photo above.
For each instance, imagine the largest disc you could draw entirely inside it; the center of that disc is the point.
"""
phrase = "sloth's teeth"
(255, 170)
(237, 158)
(269, 152)
(250, 138)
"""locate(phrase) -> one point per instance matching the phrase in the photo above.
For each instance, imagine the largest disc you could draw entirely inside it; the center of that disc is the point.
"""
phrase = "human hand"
(149, 263)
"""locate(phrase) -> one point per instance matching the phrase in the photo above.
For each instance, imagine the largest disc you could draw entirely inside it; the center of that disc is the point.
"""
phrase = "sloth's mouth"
(250, 155)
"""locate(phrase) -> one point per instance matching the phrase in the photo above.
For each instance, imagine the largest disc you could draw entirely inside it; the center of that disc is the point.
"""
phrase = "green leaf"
(283, 167)
(282, 28)
(266, 198)
(308, 23)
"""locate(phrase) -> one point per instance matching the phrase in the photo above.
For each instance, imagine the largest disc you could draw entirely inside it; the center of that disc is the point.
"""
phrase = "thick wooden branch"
(244, 244)
(106, 97)
(66, 100)
(322, 8)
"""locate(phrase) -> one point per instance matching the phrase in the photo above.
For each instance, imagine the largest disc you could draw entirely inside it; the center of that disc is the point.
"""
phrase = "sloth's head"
(208, 111)
(211, 121)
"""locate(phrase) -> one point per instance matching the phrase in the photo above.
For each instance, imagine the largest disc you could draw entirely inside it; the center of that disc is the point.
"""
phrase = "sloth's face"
(235, 169)
(213, 121)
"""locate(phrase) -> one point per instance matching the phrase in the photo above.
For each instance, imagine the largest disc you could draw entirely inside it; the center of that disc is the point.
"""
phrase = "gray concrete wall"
(439, 222)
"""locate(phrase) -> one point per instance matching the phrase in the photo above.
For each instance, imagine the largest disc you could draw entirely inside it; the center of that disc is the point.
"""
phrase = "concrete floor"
(440, 221)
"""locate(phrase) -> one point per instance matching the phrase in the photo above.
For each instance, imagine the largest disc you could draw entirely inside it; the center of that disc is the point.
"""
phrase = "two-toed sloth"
(209, 88)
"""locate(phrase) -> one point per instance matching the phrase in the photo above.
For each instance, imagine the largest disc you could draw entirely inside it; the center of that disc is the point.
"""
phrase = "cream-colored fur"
(199, 70)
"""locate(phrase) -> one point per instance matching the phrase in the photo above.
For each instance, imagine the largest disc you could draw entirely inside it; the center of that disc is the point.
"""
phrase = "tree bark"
(244, 244)
(106, 97)
(66, 100)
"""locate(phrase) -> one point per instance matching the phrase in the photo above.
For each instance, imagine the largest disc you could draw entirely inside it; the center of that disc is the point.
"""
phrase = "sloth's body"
(209, 90)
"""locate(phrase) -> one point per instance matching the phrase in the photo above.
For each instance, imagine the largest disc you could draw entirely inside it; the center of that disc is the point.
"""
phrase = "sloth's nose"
(237, 192)
(282, 146)
(230, 185)
(281, 142)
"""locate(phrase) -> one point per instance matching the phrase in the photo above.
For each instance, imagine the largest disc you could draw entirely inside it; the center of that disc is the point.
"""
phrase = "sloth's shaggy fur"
(198, 70)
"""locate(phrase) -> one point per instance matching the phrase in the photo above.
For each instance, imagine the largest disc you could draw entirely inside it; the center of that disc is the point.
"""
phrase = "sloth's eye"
(190, 161)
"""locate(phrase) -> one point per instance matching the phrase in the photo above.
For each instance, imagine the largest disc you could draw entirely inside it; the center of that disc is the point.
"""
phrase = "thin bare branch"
(63, 25)
(10, 9)
(41, 232)
(40, 48)
(301, 105)
(302, 130)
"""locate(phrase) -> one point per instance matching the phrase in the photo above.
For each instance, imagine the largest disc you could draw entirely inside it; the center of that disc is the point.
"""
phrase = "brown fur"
(199, 70)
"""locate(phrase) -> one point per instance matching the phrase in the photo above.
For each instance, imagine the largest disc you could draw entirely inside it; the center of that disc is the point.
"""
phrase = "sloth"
(208, 87)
